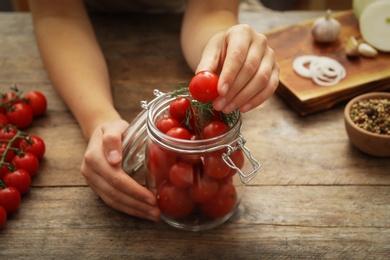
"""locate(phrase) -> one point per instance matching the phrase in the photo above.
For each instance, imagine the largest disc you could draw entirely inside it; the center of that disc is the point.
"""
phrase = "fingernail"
(229, 108)
(246, 108)
(153, 215)
(219, 104)
(114, 156)
(224, 89)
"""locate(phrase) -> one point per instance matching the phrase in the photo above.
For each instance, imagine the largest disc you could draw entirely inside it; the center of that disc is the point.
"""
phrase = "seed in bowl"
(372, 115)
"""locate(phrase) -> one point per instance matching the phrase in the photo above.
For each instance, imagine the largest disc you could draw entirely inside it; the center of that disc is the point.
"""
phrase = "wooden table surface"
(315, 196)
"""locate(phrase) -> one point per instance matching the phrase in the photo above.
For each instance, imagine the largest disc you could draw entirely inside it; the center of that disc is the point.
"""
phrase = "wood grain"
(315, 195)
(363, 74)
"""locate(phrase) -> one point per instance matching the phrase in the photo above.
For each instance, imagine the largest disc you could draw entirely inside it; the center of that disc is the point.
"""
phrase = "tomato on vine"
(20, 115)
(37, 101)
(33, 144)
(19, 179)
(26, 161)
(3, 216)
(203, 86)
(9, 198)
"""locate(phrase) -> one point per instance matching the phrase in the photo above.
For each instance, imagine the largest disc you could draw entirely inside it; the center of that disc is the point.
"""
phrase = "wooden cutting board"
(363, 74)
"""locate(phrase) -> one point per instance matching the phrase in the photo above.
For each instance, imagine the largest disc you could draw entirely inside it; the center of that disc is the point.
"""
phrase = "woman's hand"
(103, 173)
(249, 73)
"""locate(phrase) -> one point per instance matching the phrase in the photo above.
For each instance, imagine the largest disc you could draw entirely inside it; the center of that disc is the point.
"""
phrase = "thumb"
(112, 141)
(210, 57)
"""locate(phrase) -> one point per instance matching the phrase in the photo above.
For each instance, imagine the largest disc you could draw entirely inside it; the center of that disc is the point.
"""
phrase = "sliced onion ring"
(324, 71)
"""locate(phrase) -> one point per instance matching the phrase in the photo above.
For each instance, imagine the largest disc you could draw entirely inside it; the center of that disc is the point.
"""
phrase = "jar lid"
(133, 144)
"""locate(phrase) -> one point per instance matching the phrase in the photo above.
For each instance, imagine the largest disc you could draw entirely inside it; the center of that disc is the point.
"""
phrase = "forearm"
(202, 21)
(74, 61)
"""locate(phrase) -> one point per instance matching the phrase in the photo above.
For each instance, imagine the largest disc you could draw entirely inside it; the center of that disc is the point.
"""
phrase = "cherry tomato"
(204, 188)
(181, 175)
(223, 203)
(166, 123)
(33, 144)
(203, 86)
(215, 166)
(3, 216)
(37, 101)
(8, 132)
(20, 115)
(3, 120)
(174, 201)
(19, 179)
(8, 96)
(3, 170)
(10, 153)
(179, 132)
(10, 199)
(178, 108)
(213, 129)
(159, 162)
(27, 161)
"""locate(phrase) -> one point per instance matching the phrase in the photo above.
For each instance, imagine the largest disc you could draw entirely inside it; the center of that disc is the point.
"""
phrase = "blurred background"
(280, 5)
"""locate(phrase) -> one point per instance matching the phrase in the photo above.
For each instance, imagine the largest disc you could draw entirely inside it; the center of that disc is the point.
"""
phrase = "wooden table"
(315, 196)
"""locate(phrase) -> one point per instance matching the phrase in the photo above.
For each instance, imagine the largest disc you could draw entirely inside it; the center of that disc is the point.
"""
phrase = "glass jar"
(198, 183)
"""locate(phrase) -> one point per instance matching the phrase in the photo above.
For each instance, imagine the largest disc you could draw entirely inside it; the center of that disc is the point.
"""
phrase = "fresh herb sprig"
(200, 113)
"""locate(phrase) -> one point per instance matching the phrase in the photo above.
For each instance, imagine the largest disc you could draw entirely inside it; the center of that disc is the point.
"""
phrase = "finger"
(263, 95)
(106, 177)
(126, 204)
(238, 39)
(245, 75)
(112, 141)
(211, 55)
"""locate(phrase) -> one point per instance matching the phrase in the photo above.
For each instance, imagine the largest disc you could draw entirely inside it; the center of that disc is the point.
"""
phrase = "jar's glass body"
(195, 188)
(198, 183)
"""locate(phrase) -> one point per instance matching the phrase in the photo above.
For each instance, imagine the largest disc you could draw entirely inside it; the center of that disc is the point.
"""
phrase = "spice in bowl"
(372, 115)
(367, 122)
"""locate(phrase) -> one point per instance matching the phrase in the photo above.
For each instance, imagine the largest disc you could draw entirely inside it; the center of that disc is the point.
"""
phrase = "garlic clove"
(351, 47)
(326, 29)
(367, 50)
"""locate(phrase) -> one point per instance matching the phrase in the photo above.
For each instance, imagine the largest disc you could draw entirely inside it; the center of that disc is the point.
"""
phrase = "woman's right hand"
(103, 173)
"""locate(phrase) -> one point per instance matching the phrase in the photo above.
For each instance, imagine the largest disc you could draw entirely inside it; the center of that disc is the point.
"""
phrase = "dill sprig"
(200, 113)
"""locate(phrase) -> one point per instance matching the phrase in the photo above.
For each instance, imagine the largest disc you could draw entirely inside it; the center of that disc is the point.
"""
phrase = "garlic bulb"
(326, 29)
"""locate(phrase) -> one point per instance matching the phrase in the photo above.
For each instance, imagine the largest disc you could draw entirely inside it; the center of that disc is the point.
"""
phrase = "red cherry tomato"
(37, 101)
(8, 155)
(3, 120)
(203, 86)
(213, 129)
(223, 203)
(10, 199)
(20, 115)
(3, 170)
(159, 162)
(8, 132)
(204, 188)
(33, 144)
(27, 161)
(215, 166)
(166, 123)
(178, 108)
(3, 216)
(19, 179)
(174, 201)
(181, 175)
(179, 132)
